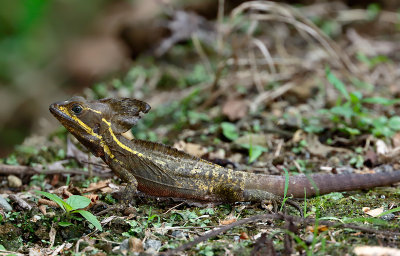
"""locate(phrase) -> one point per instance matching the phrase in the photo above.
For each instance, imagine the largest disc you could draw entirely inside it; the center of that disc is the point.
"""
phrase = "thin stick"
(277, 216)
(29, 170)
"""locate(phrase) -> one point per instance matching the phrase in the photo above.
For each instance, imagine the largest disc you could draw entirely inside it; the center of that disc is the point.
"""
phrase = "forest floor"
(269, 88)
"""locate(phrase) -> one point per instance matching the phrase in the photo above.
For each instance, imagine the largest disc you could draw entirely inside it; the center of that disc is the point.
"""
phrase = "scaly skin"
(159, 170)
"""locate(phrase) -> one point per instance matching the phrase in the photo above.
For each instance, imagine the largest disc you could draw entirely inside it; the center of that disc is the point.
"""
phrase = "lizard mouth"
(60, 115)
(64, 118)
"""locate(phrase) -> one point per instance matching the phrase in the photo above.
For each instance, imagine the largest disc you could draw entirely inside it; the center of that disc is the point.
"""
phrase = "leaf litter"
(282, 91)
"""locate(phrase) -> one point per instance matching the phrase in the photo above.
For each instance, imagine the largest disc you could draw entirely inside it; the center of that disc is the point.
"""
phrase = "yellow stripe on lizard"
(122, 145)
(88, 129)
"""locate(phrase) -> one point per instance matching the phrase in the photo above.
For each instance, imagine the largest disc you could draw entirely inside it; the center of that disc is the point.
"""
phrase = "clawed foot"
(127, 196)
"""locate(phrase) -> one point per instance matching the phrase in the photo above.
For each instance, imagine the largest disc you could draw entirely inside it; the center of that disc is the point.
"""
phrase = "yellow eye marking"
(82, 124)
(119, 142)
(93, 110)
(88, 130)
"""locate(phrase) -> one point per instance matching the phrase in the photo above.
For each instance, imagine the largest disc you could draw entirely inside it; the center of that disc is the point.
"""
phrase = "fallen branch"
(29, 170)
(277, 216)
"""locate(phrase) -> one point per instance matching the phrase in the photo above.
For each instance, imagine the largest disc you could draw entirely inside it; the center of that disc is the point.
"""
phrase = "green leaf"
(345, 111)
(382, 131)
(381, 101)
(255, 151)
(286, 188)
(65, 224)
(394, 123)
(196, 117)
(55, 198)
(2, 248)
(337, 83)
(334, 196)
(373, 11)
(351, 131)
(78, 202)
(90, 217)
(355, 97)
(397, 209)
(229, 130)
(375, 221)
(380, 121)
(12, 160)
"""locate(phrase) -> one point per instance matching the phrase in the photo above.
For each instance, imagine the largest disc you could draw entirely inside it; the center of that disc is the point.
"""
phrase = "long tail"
(319, 184)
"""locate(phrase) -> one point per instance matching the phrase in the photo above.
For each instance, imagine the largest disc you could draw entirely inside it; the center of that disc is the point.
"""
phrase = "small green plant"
(150, 219)
(300, 147)
(286, 188)
(229, 130)
(74, 204)
(352, 117)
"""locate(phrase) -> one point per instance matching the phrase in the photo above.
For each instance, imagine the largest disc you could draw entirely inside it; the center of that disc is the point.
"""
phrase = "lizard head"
(83, 118)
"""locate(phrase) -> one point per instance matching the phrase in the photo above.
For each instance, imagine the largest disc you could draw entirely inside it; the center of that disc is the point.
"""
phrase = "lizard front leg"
(126, 176)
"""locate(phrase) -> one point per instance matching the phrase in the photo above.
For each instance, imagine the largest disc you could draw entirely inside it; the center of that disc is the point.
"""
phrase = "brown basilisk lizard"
(160, 170)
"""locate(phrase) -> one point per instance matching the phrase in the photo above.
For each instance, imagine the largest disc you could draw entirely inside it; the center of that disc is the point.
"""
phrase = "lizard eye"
(77, 109)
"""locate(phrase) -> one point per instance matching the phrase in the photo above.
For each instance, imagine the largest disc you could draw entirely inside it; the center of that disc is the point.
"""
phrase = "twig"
(29, 170)
(277, 216)
(219, 231)
(174, 207)
(21, 202)
(270, 95)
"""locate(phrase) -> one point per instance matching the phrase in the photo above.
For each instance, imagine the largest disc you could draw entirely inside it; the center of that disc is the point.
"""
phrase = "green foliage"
(300, 147)
(229, 130)
(351, 116)
(372, 62)
(205, 250)
(397, 209)
(197, 76)
(357, 161)
(177, 115)
(38, 180)
(150, 219)
(11, 160)
(373, 10)
(74, 204)
(286, 188)
(136, 229)
(337, 83)
(255, 151)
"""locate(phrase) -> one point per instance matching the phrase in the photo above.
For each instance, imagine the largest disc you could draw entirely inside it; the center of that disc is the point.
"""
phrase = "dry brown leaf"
(93, 200)
(258, 139)
(52, 235)
(298, 136)
(244, 236)
(235, 109)
(102, 185)
(317, 148)
(396, 140)
(381, 147)
(373, 212)
(228, 221)
(376, 251)
(135, 244)
(321, 228)
(190, 148)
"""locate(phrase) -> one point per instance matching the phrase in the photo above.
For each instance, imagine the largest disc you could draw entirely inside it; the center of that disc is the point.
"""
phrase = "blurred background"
(51, 50)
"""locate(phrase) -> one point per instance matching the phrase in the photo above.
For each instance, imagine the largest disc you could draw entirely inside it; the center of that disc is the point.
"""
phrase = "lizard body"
(160, 170)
